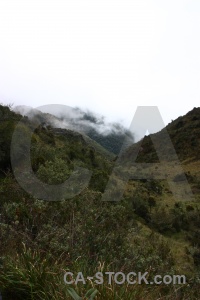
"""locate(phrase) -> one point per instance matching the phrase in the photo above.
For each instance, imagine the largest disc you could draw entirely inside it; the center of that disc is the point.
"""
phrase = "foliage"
(54, 172)
(40, 240)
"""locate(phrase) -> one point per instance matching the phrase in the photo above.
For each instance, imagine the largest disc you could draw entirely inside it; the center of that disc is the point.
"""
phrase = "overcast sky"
(107, 56)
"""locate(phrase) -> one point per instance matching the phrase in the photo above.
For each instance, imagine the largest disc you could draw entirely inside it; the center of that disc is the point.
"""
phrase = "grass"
(88, 235)
(37, 275)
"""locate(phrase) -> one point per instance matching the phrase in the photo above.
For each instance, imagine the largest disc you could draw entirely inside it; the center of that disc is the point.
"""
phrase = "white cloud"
(108, 56)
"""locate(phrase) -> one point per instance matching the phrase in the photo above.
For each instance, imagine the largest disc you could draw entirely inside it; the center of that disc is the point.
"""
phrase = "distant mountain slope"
(101, 150)
(109, 135)
(51, 146)
(184, 133)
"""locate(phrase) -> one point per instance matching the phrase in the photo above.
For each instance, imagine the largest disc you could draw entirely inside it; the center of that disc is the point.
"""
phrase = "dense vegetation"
(148, 230)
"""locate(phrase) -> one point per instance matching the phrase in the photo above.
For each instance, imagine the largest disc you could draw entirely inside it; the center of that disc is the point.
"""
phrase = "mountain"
(184, 133)
(149, 229)
(109, 135)
(177, 147)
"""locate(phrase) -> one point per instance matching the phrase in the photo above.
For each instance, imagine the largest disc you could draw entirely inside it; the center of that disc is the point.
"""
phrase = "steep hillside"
(41, 240)
(178, 143)
(109, 135)
(184, 133)
(90, 142)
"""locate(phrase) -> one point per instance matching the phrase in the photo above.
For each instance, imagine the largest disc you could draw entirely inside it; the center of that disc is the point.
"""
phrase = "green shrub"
(54, 172)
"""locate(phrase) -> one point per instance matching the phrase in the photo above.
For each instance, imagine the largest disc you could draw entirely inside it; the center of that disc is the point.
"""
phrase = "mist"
(110, 135)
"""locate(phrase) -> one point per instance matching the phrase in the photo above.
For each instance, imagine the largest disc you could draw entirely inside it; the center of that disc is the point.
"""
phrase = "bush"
(54, 172)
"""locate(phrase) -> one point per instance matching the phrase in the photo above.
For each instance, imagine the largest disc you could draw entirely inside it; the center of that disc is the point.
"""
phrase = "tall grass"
(35, 275)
